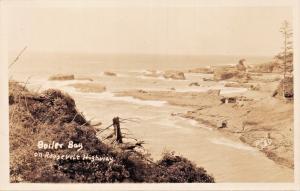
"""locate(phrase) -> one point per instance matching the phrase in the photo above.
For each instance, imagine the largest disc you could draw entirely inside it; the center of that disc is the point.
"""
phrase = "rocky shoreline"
(254, 117)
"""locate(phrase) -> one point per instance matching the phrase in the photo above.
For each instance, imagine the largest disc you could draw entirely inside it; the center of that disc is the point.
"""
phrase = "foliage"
(179, 169)
(52, 116)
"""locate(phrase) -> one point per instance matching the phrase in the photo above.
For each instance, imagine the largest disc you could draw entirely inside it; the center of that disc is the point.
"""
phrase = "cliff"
(52, 117)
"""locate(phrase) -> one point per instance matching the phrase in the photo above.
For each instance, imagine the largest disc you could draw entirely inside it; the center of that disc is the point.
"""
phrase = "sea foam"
(233, 144)
(111, 97)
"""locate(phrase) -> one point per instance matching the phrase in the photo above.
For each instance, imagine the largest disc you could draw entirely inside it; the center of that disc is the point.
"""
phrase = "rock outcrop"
(227, 72)
(107, 73)
(202, 70)
(62, 77)
(194, 84)
(175, 75)
(224, 73)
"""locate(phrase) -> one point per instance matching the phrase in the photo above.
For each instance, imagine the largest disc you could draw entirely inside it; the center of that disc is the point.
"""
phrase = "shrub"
(52, 116)
(177, 169)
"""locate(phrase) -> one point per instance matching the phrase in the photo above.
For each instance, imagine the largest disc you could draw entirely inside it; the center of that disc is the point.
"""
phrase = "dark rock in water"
(224, 124)
(62, 77)
(232, 84)
(202, 70)
(142, 91)
(228, 100)
(194, 84)
(110, 73)
(223, 100)
(232, 100)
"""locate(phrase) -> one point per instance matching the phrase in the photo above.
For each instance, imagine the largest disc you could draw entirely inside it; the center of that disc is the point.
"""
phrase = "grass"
(52, 116)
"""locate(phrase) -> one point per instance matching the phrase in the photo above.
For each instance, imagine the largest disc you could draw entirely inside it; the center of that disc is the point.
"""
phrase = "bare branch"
(17, 58)
(97, 124)
(74, 117)
(26, 82)
(105, 128)
(130, 119)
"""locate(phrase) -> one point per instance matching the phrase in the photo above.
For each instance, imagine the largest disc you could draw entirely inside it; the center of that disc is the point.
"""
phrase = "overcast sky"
(155, 29)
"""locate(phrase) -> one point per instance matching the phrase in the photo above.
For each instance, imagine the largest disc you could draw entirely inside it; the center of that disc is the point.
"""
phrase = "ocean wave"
(151, 77)
(64, 85)
(233, 144)
(195, 123)
(233, 90)
(111, 97)
(224, 90)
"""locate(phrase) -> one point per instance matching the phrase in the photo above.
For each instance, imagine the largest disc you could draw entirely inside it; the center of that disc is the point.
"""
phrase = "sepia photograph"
(161, 92)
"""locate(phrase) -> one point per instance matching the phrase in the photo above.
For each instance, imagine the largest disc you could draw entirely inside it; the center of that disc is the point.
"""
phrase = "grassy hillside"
(52, 116)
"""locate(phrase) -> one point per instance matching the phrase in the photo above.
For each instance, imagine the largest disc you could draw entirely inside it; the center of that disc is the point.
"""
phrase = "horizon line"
(139, 54)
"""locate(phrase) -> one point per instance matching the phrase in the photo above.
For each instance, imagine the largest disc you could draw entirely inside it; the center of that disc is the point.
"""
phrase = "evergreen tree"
(286, 56)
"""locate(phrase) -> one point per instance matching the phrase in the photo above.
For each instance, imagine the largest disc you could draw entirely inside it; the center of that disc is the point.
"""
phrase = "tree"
(287, 55)
(286, 58)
